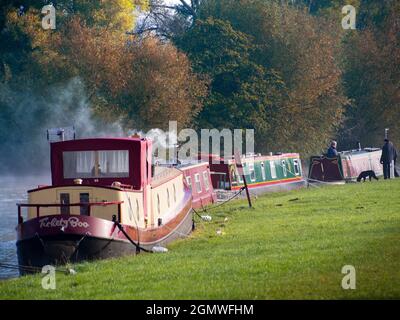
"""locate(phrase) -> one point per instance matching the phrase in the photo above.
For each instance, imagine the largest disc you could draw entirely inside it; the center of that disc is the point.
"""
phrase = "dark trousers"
(386, 170)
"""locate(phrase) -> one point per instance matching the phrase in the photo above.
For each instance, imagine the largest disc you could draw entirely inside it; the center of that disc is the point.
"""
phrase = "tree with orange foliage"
(372, 80)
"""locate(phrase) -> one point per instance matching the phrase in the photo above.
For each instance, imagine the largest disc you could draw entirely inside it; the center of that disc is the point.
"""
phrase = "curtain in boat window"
(85, 161)
(96, 164)
(114, 163)
(78, 164)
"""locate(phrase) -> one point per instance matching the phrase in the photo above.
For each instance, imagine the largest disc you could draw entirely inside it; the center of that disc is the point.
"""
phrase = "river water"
(13, 190)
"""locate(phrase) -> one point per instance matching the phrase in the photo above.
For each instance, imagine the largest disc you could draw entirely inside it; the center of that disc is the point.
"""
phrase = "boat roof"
(249, 157)
(106, 140)
(355, 152)
(183, 164)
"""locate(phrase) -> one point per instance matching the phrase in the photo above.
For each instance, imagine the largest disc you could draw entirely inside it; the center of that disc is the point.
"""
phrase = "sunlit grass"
(290, 246)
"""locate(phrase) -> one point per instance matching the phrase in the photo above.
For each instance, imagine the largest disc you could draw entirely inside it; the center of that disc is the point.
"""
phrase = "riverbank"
(290, 246)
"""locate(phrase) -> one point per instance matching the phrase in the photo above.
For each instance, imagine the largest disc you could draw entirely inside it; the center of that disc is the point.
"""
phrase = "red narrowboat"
(106, 200)
(198, 179)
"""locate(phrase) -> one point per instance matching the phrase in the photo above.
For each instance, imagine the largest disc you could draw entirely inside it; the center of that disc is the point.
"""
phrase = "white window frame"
(197, 182)
(263, 173)
(296, 165)
(283, 163)
(189, 182)
(206, 180)
(252, 172)
(273, 169)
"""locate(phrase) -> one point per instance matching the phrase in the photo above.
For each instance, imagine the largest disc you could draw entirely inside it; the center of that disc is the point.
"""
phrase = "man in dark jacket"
(332, 152)
(396, 174)
(389, 155)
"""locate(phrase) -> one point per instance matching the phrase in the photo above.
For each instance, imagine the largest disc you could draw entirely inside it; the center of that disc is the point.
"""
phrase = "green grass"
(290, 246)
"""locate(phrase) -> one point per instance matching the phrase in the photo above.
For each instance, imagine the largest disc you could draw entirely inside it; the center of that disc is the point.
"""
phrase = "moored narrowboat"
(270, 173)
(346, 167)
(106, 200)
(198, 179)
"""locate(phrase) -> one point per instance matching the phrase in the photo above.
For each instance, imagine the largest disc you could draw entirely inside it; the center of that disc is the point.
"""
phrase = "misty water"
(13, 190)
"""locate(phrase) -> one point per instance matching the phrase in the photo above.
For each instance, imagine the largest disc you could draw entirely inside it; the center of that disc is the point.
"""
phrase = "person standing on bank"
(332, 152)
(396, 174)
(389, 155)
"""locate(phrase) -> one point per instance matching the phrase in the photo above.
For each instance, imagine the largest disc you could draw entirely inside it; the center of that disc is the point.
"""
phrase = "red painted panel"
(137, 157)
(205, 197)
(325, 169)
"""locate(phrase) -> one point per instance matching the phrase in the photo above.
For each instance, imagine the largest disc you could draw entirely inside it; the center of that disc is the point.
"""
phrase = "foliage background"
(284, 68)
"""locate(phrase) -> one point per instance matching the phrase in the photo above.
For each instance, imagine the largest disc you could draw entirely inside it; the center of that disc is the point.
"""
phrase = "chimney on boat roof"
(61, 134)
(136, 136)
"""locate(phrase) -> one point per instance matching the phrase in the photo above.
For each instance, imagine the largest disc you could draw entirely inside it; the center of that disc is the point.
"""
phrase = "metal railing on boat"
(87, 205)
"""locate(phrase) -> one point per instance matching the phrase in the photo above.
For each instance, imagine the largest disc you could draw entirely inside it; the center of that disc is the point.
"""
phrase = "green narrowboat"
(276, 172)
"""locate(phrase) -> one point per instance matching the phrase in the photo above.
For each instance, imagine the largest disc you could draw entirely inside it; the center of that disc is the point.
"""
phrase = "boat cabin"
(273, 172)
(346, 166)
(101, 162)
(108, 177)
(198, 179)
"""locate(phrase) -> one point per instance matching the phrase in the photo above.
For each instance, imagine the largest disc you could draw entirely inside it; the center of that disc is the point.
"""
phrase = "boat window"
(284, 168)
(222, 184)
(198, 183)
(64, 199)
(263, 171)
(233, 175)
(252, 172)
(189, 182)
(206, 183)
(273, 169)
(158, 204)
(296, 167)
(137, 209)
(240, 177)
(168, 200)
(84, 198)
(96, 164)
(174, 193)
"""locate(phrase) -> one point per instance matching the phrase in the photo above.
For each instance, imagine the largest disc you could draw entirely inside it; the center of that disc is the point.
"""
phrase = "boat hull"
(63, 249)
(257, 190)
(274, 186)
(61, 239)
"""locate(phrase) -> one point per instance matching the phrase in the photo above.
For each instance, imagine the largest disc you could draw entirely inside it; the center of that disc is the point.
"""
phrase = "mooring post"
(247, 190)
(239, 166)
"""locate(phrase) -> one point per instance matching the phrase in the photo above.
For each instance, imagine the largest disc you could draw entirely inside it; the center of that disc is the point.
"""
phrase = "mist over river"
(12, 191)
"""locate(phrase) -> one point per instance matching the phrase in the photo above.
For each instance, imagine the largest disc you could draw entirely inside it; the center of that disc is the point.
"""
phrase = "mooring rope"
(30, 268)
(222, 203)
(178, 233)
(138, 247)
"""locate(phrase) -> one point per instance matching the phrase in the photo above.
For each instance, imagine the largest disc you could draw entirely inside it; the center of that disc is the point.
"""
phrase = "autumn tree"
(88, 62)
(306, 100)
(243, 93)
(372, 80)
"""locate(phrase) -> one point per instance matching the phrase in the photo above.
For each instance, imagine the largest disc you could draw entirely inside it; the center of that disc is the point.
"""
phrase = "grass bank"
(290, 246)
